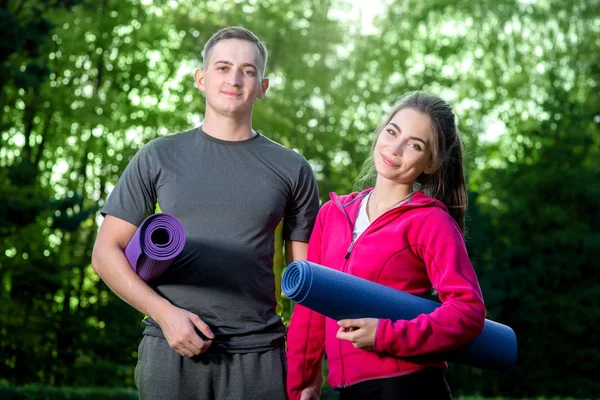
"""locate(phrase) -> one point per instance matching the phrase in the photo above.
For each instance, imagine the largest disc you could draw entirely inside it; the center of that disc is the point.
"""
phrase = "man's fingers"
(193, 348)
(189, 344)
(205, 345)
(202, 327)
(195, 345)
(195, 342)
(183, 351)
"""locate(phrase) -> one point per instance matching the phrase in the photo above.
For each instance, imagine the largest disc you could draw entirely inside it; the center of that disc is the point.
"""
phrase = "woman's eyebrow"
(396, 126)
(411, 137)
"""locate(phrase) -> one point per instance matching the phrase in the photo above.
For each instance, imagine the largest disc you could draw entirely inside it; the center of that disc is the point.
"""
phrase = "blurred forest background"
(84, 83)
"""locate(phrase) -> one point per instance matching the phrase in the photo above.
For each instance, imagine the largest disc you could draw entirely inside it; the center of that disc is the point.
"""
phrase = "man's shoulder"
(174, 139)
(278, 148)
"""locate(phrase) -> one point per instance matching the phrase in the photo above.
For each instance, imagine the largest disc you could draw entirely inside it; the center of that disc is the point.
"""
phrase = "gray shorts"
(162, 374)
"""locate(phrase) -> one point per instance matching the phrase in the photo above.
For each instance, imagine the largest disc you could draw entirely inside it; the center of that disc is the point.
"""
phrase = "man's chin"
(233, 112)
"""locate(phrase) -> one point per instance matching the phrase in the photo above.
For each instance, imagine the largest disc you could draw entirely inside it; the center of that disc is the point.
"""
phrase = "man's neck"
(228, 128)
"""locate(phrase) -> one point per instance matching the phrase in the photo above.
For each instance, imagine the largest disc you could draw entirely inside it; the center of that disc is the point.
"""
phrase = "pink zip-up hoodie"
(412, 248)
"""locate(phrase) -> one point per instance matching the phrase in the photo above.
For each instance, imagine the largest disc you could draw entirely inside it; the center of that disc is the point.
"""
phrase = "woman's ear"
(430, 169)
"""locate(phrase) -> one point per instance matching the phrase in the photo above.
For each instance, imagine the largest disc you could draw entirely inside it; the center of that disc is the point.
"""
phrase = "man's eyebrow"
(230, 63)
(412, 137)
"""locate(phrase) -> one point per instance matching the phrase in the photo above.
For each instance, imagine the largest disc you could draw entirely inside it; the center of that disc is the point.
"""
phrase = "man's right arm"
(110, 263)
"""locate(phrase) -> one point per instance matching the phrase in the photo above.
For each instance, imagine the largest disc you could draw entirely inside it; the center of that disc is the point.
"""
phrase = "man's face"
(231, 78)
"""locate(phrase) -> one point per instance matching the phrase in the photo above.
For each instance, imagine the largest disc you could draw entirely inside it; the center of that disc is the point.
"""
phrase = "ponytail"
(448, 184)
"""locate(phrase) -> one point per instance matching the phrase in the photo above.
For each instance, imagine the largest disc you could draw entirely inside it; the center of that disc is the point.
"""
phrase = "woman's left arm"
(461, 316)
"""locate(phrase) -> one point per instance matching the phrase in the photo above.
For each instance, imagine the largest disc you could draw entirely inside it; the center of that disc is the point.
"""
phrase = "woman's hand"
(311, 394)
(313, 390)
(360, 332)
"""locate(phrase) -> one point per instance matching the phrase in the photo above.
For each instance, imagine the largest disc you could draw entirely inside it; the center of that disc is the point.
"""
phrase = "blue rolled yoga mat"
(154, 246)
(338, 295)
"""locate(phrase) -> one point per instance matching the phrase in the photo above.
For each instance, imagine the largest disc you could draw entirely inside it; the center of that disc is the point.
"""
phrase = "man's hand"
(360, 332)
(178, 326)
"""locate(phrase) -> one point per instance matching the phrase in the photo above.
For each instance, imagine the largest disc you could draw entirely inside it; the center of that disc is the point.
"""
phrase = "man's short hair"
(237, 32)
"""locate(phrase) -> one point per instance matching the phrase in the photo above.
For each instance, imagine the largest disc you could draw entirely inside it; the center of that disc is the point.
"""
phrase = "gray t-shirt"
(230, 198)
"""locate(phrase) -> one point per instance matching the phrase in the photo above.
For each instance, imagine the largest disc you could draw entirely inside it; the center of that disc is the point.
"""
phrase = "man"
(212, 331)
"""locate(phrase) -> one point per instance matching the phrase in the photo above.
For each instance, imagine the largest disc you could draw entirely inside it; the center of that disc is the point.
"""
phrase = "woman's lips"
(389, 162)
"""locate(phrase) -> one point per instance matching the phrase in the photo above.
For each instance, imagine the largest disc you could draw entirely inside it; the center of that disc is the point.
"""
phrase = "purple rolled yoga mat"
(158, 240)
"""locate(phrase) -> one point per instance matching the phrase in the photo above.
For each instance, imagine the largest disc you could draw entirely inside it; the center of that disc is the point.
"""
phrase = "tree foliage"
(83, 84)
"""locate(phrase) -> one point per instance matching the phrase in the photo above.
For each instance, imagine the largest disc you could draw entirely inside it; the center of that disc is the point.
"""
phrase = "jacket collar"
(349, 204)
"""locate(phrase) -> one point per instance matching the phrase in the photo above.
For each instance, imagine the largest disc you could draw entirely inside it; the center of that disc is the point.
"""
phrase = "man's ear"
(264, 85)
(199, 77)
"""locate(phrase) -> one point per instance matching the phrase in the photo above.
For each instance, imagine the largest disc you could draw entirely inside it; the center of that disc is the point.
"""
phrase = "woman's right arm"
(306, 337)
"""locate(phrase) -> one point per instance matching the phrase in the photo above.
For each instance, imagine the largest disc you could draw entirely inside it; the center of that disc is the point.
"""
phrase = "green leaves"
(84, 85)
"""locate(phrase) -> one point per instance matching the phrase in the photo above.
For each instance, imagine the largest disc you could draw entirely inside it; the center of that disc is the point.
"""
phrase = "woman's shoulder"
(433, 220)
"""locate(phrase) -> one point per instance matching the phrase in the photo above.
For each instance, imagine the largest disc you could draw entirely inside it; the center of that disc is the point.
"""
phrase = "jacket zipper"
(344, 269)
(346, 262)
(349, 250)
(339, 205)
(340, 342)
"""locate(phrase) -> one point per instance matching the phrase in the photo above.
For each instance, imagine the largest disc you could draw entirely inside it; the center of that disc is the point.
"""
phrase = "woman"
(406, 233)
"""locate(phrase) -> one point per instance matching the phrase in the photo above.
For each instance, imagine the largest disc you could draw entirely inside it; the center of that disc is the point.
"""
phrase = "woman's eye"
(415, 146)
(391, 132)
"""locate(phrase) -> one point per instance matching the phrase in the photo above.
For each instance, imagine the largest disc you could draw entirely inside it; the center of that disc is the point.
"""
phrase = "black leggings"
(427, 384)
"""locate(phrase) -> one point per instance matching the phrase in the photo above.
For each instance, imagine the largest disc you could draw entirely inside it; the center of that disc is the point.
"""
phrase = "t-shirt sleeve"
(301, 211)
(134, 196)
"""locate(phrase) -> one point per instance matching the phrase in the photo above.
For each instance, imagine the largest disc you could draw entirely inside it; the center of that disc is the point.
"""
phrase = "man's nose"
(235, 78)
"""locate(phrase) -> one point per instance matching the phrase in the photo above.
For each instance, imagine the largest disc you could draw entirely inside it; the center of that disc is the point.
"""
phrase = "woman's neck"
(385, 196)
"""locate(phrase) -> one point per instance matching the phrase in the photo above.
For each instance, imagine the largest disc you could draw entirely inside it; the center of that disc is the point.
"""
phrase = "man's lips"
(389, 162)
(231, 94)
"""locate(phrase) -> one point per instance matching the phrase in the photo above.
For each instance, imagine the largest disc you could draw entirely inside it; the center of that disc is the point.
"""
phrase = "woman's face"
(403, 149)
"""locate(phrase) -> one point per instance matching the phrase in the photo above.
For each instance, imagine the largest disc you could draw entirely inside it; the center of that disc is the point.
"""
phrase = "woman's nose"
(395, 147)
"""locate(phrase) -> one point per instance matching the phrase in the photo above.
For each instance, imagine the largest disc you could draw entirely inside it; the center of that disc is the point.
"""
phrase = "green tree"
(83, 86)
(527, 71)
(115, 75)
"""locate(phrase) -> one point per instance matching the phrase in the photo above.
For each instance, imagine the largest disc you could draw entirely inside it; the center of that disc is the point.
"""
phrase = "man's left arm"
(295, 250)
(301, 213)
